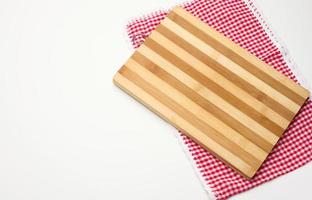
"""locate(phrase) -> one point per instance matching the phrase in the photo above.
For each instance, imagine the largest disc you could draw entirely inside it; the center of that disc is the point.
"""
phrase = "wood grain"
(216, 92)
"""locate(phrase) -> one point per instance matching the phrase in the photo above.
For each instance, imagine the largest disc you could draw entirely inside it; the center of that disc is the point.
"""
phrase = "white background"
(66, 132)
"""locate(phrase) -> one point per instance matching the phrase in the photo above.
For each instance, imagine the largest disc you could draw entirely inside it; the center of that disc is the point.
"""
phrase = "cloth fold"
(242, 22)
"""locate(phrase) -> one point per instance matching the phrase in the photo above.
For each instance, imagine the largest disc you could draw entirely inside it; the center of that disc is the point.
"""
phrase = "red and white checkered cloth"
(241, 21)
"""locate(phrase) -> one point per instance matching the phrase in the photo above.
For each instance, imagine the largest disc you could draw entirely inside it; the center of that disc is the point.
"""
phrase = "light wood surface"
(216, 92)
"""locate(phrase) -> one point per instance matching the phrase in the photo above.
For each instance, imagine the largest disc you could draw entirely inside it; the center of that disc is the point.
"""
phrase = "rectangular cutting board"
(220, 95)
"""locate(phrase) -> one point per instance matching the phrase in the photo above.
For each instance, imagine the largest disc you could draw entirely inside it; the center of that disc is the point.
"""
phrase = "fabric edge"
(204, 183)
(258, 13)
(153, 11)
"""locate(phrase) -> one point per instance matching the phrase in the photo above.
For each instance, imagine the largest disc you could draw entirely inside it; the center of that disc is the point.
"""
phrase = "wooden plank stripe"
(209, 95)
(187, 91)
(176, 120)
(230, 65)
(240, 55)
(165, 94)
(237, 80)
(217, 83)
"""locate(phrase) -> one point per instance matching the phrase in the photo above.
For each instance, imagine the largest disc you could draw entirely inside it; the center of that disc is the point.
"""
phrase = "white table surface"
(66, 132)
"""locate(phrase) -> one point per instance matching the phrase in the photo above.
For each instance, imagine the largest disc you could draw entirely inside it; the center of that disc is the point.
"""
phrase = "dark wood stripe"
(252, 90)
(202, 102)
(230, 98)
(237, 58)
(191, 118)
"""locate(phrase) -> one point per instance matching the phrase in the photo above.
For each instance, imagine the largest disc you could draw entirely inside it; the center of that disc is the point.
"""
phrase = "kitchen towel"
(241, 21)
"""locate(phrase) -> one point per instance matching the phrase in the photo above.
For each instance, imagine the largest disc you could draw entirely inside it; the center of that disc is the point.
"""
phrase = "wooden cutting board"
(216, 92)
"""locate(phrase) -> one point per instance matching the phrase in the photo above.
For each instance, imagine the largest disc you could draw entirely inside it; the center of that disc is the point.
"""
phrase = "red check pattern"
(235, 19)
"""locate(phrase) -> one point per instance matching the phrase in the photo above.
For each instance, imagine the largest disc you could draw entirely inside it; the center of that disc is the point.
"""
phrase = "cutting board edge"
(116, 83)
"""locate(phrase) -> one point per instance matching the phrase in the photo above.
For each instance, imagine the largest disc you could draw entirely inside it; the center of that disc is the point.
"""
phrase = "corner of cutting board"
(117, 75)
(115, 78)
(308, 93)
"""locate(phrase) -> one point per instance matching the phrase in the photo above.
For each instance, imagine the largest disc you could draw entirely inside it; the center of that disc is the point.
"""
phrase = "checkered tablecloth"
(241, 21)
